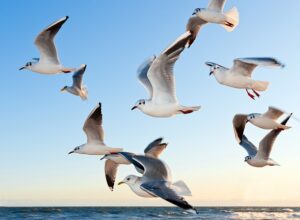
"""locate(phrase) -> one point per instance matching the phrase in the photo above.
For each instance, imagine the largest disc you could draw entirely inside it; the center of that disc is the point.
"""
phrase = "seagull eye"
(128, 179)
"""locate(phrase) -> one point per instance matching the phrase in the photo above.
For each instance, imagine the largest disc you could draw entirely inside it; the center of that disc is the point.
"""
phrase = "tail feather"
(84, 93)
(232, 19)
(181, 188)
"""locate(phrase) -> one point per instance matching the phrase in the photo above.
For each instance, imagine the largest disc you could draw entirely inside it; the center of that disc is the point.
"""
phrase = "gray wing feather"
(248, 146)
(273, 113)
(45, 44)
(93, 125)
(239, 122)
(77, 77)
(162, 190)
(110, 169)
(142, 74)
(266, 144)
(155, 148)
(155, 169)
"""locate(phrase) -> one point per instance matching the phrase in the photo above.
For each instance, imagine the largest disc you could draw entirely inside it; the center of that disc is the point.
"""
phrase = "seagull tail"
(260, 85)
(232, 19)
(181, 188)
(84, 94)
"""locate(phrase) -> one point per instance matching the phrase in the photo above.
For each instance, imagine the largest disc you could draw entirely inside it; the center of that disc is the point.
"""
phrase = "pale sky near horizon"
(39, 125)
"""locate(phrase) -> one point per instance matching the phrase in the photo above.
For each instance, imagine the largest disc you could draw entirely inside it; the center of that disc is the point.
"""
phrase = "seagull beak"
(134, 107)
(23, 67)
(63, 89)
(71, 152)
(103, 157)
(121, 182)
(210, 73)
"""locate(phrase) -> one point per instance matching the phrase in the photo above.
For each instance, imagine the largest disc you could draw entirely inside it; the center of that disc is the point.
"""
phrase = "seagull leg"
(256, 93)
(186, 111)
(250, 95)
(229, 24)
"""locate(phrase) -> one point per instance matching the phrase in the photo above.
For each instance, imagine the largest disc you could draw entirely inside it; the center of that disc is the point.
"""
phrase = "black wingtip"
(286, 119)
(66, 17)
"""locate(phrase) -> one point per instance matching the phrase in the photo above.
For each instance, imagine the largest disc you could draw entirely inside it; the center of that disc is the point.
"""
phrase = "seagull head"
(252, 116)
(77, 149)
(247, 158)
(214, 67)
(139, 104)
(28, 66)
(197, 10)
(64, 89)
(129, 180)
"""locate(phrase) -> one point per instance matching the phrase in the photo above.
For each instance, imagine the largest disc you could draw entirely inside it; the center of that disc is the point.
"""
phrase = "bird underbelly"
(264, 123)
(257, 163)
(238, 82)
(47, 69)
(138, 191)
(212, 17)
(95, 150)
(163, 111)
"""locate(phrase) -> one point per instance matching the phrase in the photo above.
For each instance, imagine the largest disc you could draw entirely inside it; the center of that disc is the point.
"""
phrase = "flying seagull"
(239, 76)
(212, 14)
(156, 74)
(157, 182)
(256, 157)
(95, 136)
(49, 62)
(77, 88)
(154, 149)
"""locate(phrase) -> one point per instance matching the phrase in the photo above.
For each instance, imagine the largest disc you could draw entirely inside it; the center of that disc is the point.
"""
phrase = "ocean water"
(102, 213)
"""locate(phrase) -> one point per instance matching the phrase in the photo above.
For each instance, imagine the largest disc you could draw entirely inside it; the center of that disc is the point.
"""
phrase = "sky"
(40, 125)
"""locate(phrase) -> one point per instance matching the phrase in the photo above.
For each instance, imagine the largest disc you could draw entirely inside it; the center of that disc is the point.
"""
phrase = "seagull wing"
(111, 169)
(77, 77)
(194, 25)
(45, 44)
(155, 148)
(142, 74)
(239, 122)
(273, 113)
(154, 168)
(245, 66)
(266, 144)
(216, 5)
(161, 74)
(162, 189)
(93, 126)
(248, 146)
(138, 166)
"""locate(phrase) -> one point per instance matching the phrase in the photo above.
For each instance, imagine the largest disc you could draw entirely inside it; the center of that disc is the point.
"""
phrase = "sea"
(102, 213)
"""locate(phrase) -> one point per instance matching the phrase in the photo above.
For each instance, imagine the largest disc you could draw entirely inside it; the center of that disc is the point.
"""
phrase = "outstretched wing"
(248, 146)
(161, 189)
(154, 168)
(93, 126)
(161, 74)
(216, 5)
(155, 148)
(239, 122)
(194, 25)
(273, 113)
(78, 75)
(110, 169)
(142, 74)
(245, 66)
(266, 144)
(45, 44)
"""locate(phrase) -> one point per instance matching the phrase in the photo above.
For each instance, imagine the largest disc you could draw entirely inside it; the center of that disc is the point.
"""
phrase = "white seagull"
(256, 157)
(157, 182)
(49, 62)
(95, 136)
(156, 74)
(239, 76)
(154, 149)
(77, 88)
(268, 119)
(212, 14)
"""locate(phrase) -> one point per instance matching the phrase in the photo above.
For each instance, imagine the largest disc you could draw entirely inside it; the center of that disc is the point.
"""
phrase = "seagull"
(77, 88)
(256, 157)
(95, 136)
(212, 14)
(156, 74)
(49, 62)
(268, 119)
(239, 76)
(157, 182)
(154, 149)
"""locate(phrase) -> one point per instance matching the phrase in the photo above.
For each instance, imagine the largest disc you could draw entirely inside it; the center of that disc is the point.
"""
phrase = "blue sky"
(39, 125)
